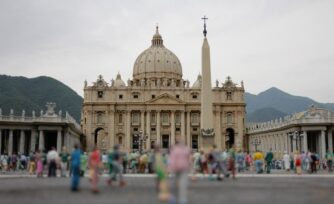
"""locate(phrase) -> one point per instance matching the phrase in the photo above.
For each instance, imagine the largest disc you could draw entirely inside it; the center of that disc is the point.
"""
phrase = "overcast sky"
(288, 44)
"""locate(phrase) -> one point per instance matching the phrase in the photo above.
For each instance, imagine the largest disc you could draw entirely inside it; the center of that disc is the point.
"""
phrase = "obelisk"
(207, 130)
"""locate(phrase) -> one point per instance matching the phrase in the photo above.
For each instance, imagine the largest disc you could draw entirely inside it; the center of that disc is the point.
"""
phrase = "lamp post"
(256, 142)
(297, 137)
(141, 139)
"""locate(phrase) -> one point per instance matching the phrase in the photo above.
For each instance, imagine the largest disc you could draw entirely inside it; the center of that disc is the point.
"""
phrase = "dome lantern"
(157, 62)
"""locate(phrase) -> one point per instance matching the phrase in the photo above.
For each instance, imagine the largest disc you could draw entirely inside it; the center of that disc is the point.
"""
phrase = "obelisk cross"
(204, 31)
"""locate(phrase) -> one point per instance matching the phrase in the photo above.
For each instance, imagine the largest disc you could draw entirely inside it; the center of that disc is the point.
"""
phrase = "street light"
(256, 142)
(296, 136)
(141, 139)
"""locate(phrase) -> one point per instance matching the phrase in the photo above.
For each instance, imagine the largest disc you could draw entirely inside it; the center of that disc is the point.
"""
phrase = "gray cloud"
(284, 43)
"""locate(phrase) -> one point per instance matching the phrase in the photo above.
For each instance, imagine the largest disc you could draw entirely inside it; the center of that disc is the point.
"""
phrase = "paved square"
(142, 190)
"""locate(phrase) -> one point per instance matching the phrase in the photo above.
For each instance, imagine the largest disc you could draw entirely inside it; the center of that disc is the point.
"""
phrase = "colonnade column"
(59, 141)
(183, 135)
(305, 149)
(33, 140)
(0, 141)
(41, 140)
(148, 129)
(22, 142)
(128, 130)
(188, 129)
(323, 144)
(10, 142)
(330, 140)
(172, 127)
(158, 129)
(142, 121)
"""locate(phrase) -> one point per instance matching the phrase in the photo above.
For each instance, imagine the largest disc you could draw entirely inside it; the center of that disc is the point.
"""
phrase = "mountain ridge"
(22, 93)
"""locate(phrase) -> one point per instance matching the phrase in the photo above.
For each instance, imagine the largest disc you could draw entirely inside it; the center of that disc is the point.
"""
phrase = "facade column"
(10, 142)
(41, 140)
(0, 141)
(128, 130)
(172, 127)
(59, 141)
(22, 141)
(111, 131)
(330, 140)
(148, 129)
(218, 136)
(188, 130)
(183, 135)
(158, 129)
(142, 121)
(305, 149)
(323, 144)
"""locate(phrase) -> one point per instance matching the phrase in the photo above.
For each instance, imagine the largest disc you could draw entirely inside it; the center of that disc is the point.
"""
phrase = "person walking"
(258, 160)
(75, 167)
(94, 164)
(269, 158)
(286, 160)
(52, 158)
(115, 163)
(32, 163)
(298, 163)
(180, 164)
(39, 164)
(63, 162)
(329, 160)
(83, 164)
(161, 172)
(232, 153)
(314, 160)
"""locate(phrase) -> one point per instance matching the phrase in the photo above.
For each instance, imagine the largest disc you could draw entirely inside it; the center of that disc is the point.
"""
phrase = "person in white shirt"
(52, 158)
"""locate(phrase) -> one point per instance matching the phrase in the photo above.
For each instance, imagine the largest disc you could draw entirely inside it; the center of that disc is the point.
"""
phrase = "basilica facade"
(158, 106)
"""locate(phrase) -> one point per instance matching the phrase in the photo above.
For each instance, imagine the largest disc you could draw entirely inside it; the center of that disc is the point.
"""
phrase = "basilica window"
(194, 95)
(120, 118)
(178, 117)
(195, 117)
(153, 96)
(135, 117)
(153, 118)
(135, 95)
(120, 96)
(229, 95)
(229, 118)
(100, 94)
(165, 117)
(99, 118)
(177, 96)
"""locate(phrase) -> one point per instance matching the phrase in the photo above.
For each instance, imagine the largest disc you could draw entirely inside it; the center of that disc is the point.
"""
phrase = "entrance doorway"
(229, 140)
(50, 139)
(313, 141)
(165, 141)
(194, 142)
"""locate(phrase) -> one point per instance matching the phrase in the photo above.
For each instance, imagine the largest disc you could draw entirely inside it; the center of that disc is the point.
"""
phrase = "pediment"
(165, 99)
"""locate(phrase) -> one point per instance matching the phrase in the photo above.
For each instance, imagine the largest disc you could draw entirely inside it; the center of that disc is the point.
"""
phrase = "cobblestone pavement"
(141, 190)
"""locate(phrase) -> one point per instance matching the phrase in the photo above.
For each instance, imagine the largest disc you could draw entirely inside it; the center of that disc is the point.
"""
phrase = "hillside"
(32, 94)
(274, 102)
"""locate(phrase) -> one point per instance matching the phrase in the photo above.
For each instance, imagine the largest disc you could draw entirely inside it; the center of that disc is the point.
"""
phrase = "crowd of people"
(178, 161)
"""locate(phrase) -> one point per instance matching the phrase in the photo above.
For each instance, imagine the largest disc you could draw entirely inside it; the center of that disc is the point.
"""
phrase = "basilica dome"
(157, 62)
